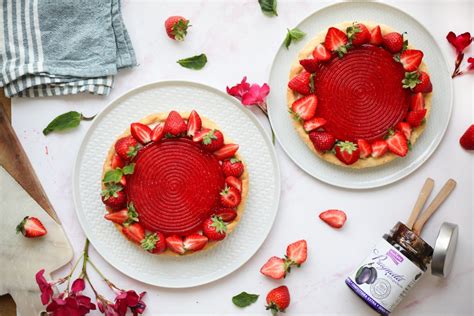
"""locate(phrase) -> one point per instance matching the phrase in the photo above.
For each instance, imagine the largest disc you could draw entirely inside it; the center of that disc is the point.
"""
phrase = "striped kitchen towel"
(60, 47)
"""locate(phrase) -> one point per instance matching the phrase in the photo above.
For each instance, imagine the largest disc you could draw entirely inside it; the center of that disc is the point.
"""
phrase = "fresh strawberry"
(322, 141)
(379, 148)
(309, 64)
(134, 232)
(175, 244)
(230, 197)
(278, 300)
(417, 102)
(194, 123)
(31, 227)
(199, 135)
(176, 27)
(411, 59)
(154, 243)
(141, 132)
(424, 85)
(334, 218)
(195, 242)
(376, 36)
(232, 181)
(226, 214)
(233, 167)
(397, 144)
(158, 132)
(358, 34)
(213, 140)
(126, 147)
(404, 128)
(467, 139)
(314, 123)
(275, 268)
(304, 108)
(226, 151)
(123, 217)
(297, 252)
(117, 162)
(214, 228)
(393, 42)
(174, 124)
(347, 152)
(364, 147)
(415, 118)
(301, 83)
(321, 53)
(336, 41)
(114, 197)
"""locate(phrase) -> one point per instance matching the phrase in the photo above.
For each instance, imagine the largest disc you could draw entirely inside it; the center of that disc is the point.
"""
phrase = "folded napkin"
(59, 47)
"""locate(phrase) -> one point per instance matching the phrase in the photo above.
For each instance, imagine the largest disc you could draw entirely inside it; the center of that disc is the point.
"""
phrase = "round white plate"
(255, 148)
(439, 117)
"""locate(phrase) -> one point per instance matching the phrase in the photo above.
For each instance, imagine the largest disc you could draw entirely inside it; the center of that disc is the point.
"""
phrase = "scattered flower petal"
(460, 42)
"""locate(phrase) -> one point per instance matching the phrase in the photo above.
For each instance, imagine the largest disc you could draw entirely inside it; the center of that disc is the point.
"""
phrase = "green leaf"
(64, 121)
(293, 35)
(269, 7)
(196, 62)
(113, 176)
(244, 299)
(128, 169)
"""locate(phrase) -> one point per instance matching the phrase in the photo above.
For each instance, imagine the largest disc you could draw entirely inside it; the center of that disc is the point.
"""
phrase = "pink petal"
(256, 95)
(239, 89)
(78, 285)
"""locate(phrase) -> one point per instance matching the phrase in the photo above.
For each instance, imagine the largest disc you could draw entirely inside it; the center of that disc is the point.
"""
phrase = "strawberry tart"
(359, 94)
(174, 184)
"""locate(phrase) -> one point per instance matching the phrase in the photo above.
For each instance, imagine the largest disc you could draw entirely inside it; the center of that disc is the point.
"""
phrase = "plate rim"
(430, 150)
(104, 112)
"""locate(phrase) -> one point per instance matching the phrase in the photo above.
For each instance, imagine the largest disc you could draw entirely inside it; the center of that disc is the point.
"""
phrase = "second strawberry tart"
(174, 184)
(359, 94)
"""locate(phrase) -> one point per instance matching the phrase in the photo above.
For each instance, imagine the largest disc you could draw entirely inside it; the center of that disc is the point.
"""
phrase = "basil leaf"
(128, 169)
(66, 121)
(293, 35)
(196, 62)
(113, 176)
(244, 299)
(269, 7)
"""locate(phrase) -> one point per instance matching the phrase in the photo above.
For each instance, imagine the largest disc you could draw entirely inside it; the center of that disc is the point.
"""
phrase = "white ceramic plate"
(255, 148)
(438, 121)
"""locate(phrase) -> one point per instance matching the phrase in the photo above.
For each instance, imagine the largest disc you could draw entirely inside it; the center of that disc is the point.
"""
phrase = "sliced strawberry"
(141, 132)
(404, 128)
(175, 244)
(227, 151)
(226, 214)
(230, 197)
(233, 167)
(213, 140)
(314, 124)
(174, 124)
(322, 141)
(376, 36)
(214, 228)
(417, 102)
(304, 108)
(334, 218)
(118, 217)
(158, 132)
(393, 42)
(235, 182)
(467, 139)
(379, 148)
(134, 232)
(358, 34)
(411, 59)
(123, 181)
(126, 147)
(274, 268)
(397, 144)
(415, 118)
(424, 85)
(309, 64)
(364, 147)
(297, 252)
(301, 83)
(154, 243)
(321, 53)
(199, 136)
(195, 242)
(347, 152)
(336, 41)
(117, 162)
(31, 227)
(194, 123)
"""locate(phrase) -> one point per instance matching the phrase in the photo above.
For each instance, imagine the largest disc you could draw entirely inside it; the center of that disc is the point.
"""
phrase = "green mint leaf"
(196, 62)
(269, 7)
(64, 121)
(128, 169)
(244, 299)
(293, 35)
(113, 176)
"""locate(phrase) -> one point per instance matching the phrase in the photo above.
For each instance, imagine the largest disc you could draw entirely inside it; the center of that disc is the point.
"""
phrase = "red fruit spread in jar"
(175, 186)
(361, 95)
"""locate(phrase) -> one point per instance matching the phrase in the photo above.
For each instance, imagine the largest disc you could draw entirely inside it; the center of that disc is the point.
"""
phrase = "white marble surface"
(239, 40)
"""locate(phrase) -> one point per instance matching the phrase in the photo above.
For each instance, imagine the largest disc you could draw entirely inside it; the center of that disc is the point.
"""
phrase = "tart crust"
(153, 119)
(296, 68)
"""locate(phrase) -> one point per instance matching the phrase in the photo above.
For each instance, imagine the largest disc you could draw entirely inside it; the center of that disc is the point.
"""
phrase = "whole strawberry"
(174, 125)
(347, 152)
(278, 299)
(393, 42)
(467, 139)
(322, 141)
(154, 243)
(214, 228)
(212, 140)
(114, 197)
(358, 34)
(31, 227)
(126, 147)
(233, 167)
(177, 27)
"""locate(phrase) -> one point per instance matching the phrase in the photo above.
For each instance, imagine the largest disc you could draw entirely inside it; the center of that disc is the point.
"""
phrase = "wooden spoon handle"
(420, 202)
(438, 200)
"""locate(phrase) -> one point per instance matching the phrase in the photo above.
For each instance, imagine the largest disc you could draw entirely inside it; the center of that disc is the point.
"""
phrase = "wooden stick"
(420, 202)
(438, 200)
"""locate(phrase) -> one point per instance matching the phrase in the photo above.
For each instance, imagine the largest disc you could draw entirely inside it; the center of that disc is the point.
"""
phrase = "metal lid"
(444, 250)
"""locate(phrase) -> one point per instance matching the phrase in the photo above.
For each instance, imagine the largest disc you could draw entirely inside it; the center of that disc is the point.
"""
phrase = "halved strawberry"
(365, 148)
(301, 83)
(336, 41)
(235, 182)
(424, 85)
(321, 53)
(411, 59)
(117, 162)
(194, 123)
(322, 141)
(154, 243)
(314, 124)
(297, 252)
(213, 140)
(158, 132)
(397, 144)
(274, 268)
(334, 218)
(226, 214)
(347, 152)
(415, 118)
(126, 147)
(175, 244)
(227, 151)
(134, 232)
(214, 228)
(118, 217)
(379, 148)
(230, 197)
(393, 42)
(358, 34)
(417, 102)
(174, 124)
(376, 36)
(404, 128)
(31, 227)
(141, 132)
(304, 108)
(195, 242)
(309, 64)
(233, 167)
(199, 136)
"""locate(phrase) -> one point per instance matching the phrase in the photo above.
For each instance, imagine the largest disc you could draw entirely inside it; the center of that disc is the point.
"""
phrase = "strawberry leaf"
(244, 299)
(128, 169)
(65, 121)
(113, 176)
(268, 7)
(293, 35)
(196, 62)
(411, 79)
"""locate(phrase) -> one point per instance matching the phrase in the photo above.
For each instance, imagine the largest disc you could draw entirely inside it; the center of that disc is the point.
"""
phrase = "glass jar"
(392, 268)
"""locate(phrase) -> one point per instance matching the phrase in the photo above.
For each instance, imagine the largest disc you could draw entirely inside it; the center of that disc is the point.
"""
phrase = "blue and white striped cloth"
(59, 47)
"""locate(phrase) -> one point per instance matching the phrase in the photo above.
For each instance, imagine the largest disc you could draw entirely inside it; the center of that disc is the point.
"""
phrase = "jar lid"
(444, 250)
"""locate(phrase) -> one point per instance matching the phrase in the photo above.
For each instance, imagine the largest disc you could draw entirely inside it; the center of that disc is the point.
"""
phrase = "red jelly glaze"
(361, 94)
(175, 186)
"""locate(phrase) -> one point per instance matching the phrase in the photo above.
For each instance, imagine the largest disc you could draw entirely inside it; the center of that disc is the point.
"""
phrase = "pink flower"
(45, 287)
(106, 307)
(239, 89)
(73, 305)
(256, 95)
(460, 42)
(129, 299)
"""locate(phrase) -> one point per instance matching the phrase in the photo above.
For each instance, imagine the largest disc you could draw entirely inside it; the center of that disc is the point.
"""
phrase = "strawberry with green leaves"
(226, 214)
(347, 152)
(233, 167)
(358, 34)
(214, 228)
(278, 300)
(31, 227)
(126, 147)
(154, 242)
(336, 41)
(304, 108)
(393, 42)
(113, 196)
(296, 255)
(134, 232)
(124, 217)
(213, 140)
(230, 197)
(177, 27)
(417, 81)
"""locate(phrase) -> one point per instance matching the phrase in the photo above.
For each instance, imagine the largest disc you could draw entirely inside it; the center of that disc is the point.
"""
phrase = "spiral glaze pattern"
(175, 186)
(361, 94)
